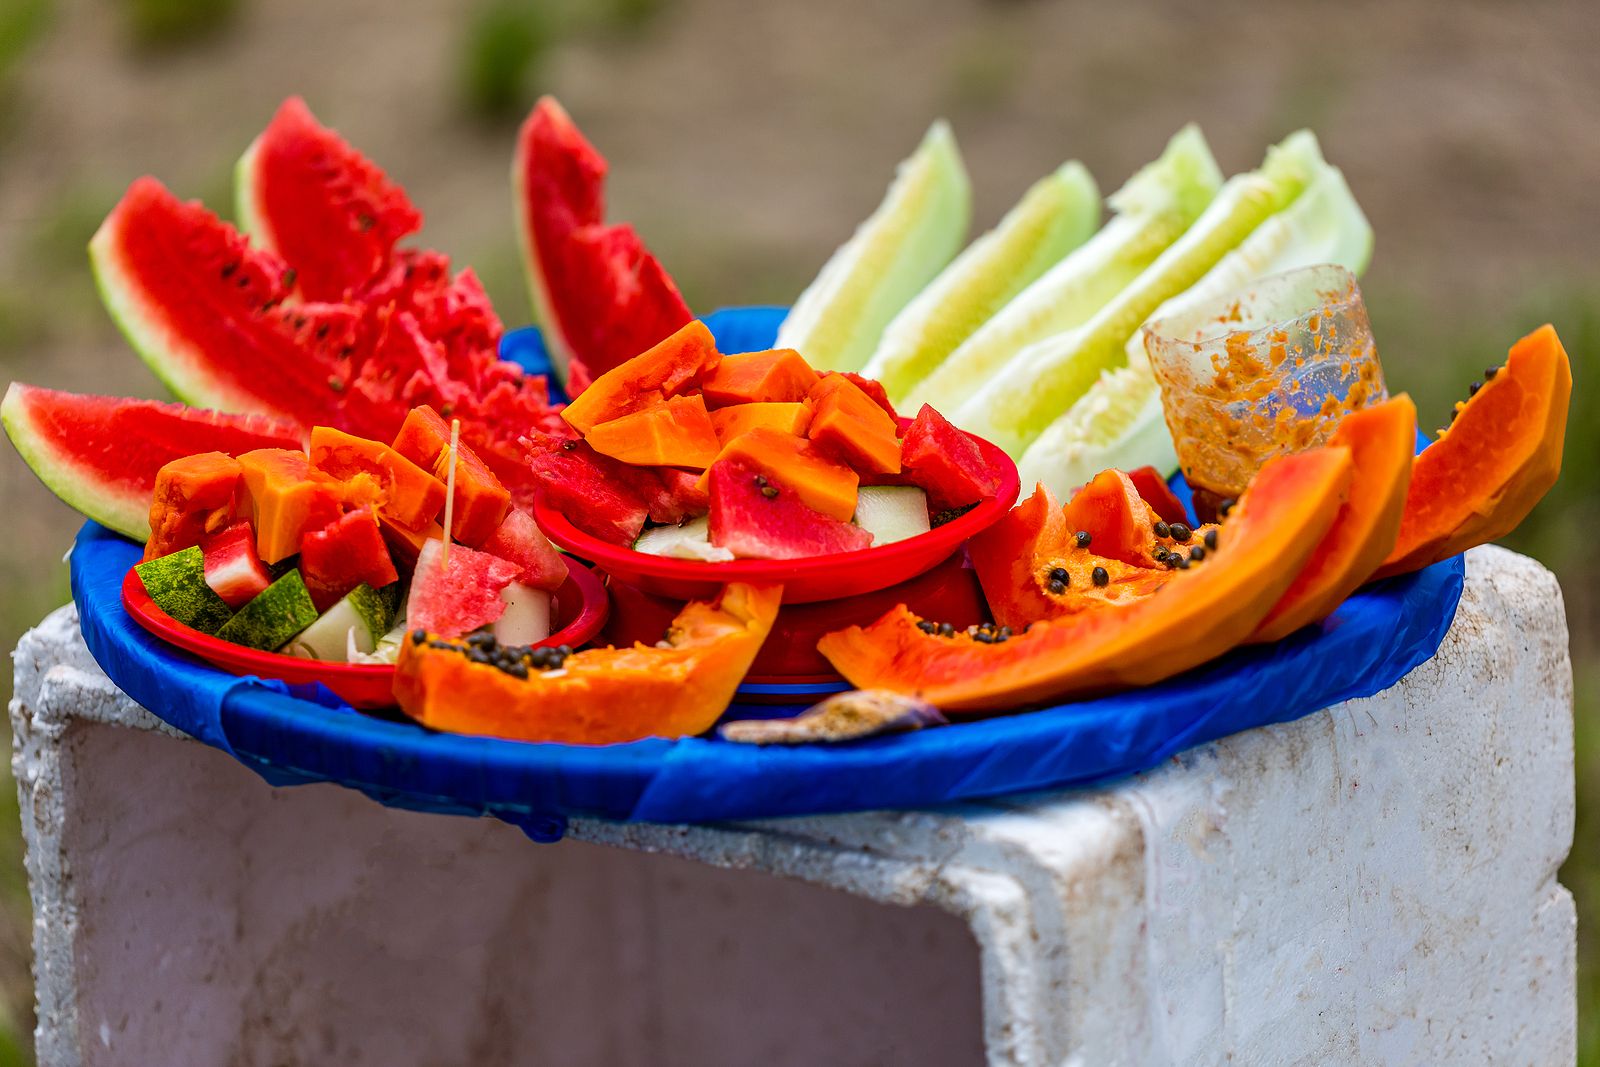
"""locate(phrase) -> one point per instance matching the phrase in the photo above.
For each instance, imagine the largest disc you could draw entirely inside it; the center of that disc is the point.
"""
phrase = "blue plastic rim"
(294, 737)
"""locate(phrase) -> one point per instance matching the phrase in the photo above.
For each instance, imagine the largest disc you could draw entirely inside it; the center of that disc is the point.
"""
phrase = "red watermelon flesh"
(599, 294)
(945, 463)
(233, 569)
(598, 495)
(680, 498)
(519, 540)
(754, 519)
(330, 212)
(456, 595)
(101, 454)
(344, 554)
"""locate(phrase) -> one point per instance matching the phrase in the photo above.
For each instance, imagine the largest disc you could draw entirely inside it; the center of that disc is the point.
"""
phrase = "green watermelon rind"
(246, 204)
(124, 510)
(177, 585)
(274, 617)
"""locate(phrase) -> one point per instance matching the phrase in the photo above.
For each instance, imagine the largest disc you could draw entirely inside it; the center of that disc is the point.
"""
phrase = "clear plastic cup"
(1261, 372)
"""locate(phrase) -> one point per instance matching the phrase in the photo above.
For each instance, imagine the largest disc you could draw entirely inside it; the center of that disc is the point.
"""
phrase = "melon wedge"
(1056, 215)
(101, 454)
(917, 229)
(1118, 423)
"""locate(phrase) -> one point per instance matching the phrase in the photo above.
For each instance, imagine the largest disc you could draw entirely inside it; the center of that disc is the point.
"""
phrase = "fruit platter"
(966, 519)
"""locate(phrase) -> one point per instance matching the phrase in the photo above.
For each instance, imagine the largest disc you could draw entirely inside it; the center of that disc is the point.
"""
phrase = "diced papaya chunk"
(194, 496)
(652, 376)
(847, 423)
(287, 498)
(405, 492)
(787, 417)
(677, 433)
(481, 501)
(778, 376)
(406, 545)
(343, 555)
(795, 463)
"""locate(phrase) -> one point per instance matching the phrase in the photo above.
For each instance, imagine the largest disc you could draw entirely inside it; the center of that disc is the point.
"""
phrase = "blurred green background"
(745, 142)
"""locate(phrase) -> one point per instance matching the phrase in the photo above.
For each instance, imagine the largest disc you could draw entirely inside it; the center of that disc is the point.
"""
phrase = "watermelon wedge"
(755, 519)
(304, 193)
(598, 293)
(456, 594)
(100, 454)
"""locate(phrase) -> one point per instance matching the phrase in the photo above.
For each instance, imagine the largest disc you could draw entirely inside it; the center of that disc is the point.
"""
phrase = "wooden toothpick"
(450, 491)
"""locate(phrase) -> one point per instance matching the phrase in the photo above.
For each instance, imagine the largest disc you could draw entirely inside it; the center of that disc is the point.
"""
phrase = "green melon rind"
(181, 367)
(363, 609)
(117, 508)
(247, 213)
(1048, 377)
(543, 305)
(916, 230)
(177, 584)
(1118, 423)
(1057, 214)
(273, 617)
(1154, 208)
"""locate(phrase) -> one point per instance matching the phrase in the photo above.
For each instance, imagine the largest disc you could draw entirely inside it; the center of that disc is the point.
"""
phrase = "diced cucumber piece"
(177, 584)
(891, 513)
(277, 614)
(527, 617)
(352, 626)
(692, 540)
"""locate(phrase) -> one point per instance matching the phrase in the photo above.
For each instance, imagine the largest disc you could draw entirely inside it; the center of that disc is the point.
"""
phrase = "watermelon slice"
(519, 540)
(598, 495)
(301, 191)
(233, 570)
(177, 584)
(101, 454)
(450, 597)
(343, 555)
(755, 519)
(946, 463)
(598, 293)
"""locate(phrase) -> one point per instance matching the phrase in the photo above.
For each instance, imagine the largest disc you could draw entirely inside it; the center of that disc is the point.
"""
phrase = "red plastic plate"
(805, 581)
(581, 606)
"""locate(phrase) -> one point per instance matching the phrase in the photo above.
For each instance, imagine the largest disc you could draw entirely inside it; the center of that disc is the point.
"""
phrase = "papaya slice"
(1381, 440)
(677, 433)
(406, 545)
(787, 417)
(1158, 494)
(662, 371)
(847, 423)
(777, 376)
(194, 496)
(1497, 459)
(795, 463)
(481, 501)
(1113, 515)
(677, 688)
(287, 498)
(405, 492)
(1201, 613)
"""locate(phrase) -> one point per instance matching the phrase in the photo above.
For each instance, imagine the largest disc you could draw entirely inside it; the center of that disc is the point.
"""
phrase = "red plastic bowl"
(581, 606)
(805, 581)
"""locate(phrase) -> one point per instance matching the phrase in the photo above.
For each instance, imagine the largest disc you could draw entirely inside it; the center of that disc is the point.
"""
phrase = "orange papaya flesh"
(660, 372)
(344, 554)
(1158, 494)
(1199, 614)
(1118, 522)
(875, 390)
(481, 501)
(1496, 460)
(794, 463)
(405, 545)
(677, 433)
(399, 488)
(846, 423)
(777, 376)
(786, 417)
(194, 496)
(287, 498)
(677, 688)
(1381, 440)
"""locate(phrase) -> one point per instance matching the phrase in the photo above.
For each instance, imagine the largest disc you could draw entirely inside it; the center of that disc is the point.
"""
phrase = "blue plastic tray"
(294, 737)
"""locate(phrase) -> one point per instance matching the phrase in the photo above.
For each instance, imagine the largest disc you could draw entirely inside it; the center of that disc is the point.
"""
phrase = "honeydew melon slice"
(692, 540)
(1057, 214)
(177, 584)
(1153, 209)
(1045, 379)
(1118, 423)
(891, 513)
(527, 617)
(276, 615)
(917, 229)
(351, 627)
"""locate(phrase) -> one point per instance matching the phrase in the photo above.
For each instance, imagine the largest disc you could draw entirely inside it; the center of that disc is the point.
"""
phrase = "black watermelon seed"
(761, 479)
(1083, 538)
(569, 445)
(1099, 576)
(1058, 587)
(1163, 530)
(769, 491)
(1210, 539)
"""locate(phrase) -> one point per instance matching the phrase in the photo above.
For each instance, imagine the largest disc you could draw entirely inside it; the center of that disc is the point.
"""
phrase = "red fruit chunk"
(946, 463)
(1155, 491)
(755, 519)
(680, 497)
(519, 540)
(598, 495)
(481, 501)
(450, 597)
(343, 555)
(194, 496)
(233, 569)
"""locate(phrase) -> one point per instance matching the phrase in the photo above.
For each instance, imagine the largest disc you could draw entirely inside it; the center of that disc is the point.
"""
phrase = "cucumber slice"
(918, 228)
(527, 617)
(1045, 379)
(891, 513)
(351, 627)
(692, 540)
(277, 614)
(177, 584)
(1118, 423)
(1153, 208)
(1056, 215)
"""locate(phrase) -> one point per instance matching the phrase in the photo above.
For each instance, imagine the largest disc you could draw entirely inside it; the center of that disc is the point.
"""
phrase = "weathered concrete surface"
(1374, 884)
